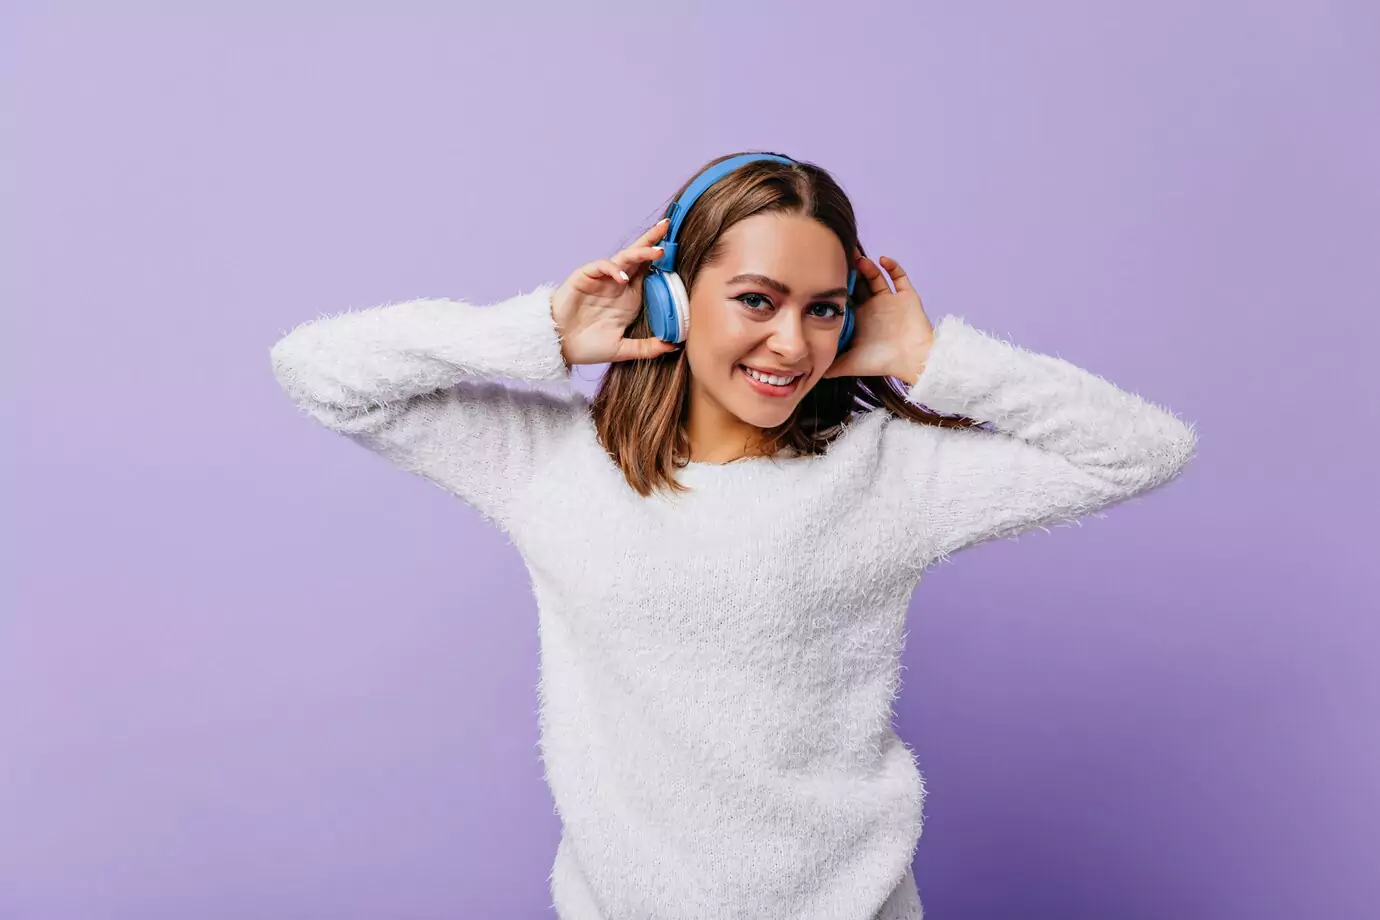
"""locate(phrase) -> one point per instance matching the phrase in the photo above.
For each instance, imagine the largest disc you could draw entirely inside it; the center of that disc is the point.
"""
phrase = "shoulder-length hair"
(639, 409)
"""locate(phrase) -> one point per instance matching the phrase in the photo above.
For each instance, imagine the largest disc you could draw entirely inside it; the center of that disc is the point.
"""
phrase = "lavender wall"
(248, 669)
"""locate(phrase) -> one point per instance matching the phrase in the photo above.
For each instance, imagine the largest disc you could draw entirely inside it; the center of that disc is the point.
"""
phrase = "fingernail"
(623, 275)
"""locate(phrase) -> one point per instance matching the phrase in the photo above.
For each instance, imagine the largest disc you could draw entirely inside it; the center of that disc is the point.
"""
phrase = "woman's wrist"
(912, 365)
(551, 306)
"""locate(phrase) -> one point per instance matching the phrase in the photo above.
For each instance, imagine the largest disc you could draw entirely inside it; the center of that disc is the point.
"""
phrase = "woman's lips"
(766, 389)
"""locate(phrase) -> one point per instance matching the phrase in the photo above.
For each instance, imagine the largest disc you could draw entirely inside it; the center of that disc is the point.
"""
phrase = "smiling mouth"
(767, 387)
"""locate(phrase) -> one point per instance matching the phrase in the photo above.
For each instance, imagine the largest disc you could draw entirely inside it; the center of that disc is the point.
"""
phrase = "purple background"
(250, 670)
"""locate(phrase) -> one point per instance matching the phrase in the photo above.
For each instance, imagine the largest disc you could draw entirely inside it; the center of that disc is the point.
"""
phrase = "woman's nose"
(788, 338)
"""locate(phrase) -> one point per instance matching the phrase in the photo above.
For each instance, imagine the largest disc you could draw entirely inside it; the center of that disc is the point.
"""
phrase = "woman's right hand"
(594, 307)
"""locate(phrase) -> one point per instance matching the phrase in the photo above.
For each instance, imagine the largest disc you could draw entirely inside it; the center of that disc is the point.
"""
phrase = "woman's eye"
(832, 309)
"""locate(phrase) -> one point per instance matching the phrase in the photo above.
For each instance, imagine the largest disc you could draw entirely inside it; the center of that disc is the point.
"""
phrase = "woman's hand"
(893, 335)
(594, 307)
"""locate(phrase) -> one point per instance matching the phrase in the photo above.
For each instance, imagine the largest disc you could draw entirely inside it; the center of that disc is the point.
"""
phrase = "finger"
(876, 281)
(657, 231)
(636, 349)
(898, 274)
(635, 256)
(603, 268)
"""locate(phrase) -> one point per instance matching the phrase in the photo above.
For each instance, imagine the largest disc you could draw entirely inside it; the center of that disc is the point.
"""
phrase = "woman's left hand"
(892, 335)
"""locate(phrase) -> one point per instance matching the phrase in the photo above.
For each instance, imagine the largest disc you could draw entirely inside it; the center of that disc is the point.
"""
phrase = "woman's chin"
(765, 418)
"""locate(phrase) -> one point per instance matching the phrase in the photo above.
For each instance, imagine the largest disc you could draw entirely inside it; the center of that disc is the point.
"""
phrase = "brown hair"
(640, 405)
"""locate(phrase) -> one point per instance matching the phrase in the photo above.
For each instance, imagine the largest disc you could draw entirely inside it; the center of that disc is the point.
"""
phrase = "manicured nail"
(623, 275)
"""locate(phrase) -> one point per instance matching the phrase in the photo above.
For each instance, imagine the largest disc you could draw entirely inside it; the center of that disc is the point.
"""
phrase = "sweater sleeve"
(1063, 442)
(418, 382)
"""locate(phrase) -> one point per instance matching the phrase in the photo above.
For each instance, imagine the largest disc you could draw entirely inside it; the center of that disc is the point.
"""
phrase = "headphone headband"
(681, 206)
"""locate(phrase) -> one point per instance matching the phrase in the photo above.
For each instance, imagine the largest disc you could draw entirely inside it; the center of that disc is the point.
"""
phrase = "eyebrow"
(779, 287)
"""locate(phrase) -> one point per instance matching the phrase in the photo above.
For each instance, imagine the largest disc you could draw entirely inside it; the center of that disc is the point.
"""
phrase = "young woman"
(724, 541)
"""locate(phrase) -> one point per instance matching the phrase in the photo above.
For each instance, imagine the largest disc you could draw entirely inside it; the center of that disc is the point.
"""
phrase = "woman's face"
(784, 321)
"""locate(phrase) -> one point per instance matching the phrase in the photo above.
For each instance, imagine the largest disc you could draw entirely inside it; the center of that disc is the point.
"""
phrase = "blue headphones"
(668, 304)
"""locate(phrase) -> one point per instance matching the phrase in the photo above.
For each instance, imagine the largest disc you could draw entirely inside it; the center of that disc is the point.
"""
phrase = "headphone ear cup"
(846, 333)
(661, 292)
(680, 300)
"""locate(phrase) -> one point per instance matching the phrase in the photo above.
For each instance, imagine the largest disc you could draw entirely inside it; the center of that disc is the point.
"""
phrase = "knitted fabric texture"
(718, 668)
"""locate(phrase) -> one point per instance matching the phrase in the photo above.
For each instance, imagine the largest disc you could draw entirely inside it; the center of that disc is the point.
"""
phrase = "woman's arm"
(417, 382)
(1065, 443)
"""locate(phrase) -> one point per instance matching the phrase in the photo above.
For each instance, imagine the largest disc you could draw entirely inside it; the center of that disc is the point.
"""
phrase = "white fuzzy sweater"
(717, 669)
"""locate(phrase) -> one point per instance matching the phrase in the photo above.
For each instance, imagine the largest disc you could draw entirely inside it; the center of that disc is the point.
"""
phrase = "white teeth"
(767, 378)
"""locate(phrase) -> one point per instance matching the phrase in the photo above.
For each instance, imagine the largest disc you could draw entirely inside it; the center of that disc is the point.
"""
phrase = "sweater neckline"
(777, 459)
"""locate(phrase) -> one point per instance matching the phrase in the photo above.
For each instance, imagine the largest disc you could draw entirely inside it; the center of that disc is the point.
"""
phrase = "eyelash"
(837, 310)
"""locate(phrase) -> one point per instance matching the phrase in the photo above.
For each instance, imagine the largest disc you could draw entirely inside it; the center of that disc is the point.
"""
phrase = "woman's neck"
(718, 436)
